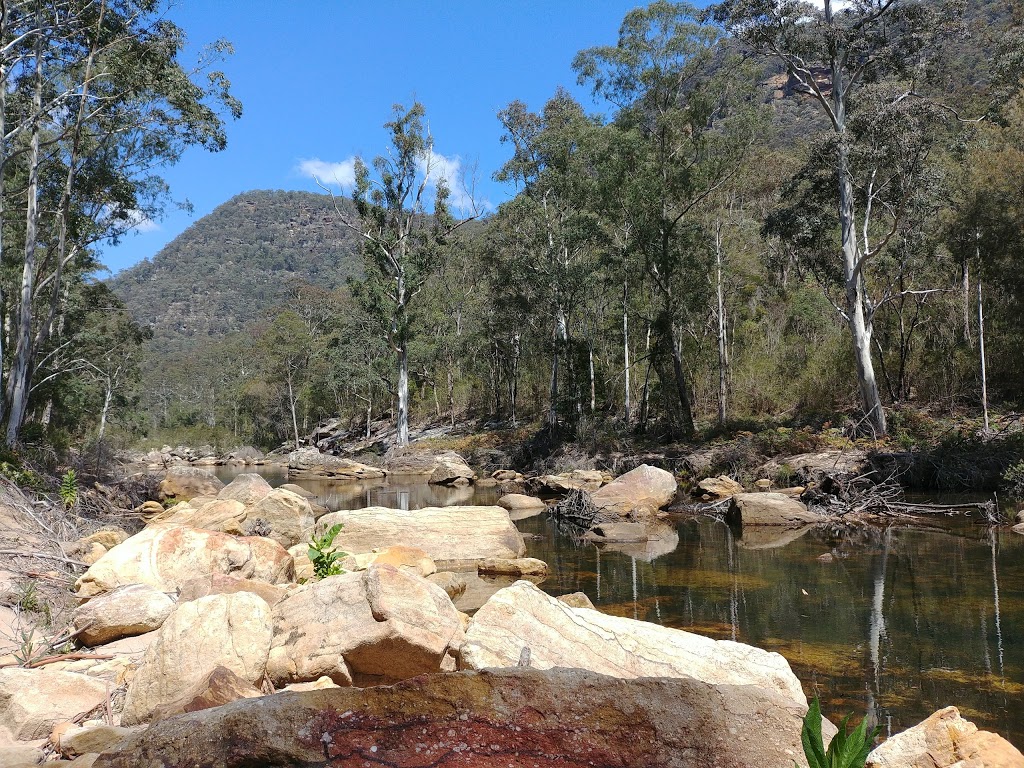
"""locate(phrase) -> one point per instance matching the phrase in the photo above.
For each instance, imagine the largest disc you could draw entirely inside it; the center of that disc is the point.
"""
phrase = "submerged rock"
(522, 717)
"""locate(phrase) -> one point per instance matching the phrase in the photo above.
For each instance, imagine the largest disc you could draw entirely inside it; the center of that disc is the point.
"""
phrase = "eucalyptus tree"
(95, 99)
(692, 110)
(865, 60)
(404, 236)
(552, 214)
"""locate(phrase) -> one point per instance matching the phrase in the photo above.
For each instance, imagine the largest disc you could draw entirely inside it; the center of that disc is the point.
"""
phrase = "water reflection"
(395, 492)
(898, 624)
(893, 625)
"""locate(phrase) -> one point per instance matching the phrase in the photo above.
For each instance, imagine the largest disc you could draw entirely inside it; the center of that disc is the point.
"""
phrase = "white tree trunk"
(402, 437)
(858, 318)
(723, 352)
(291, 403)
(626, 404)
(18, 383)
(981, 354)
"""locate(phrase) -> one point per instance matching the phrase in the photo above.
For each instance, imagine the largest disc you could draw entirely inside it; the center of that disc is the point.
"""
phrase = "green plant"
(28, 597)
(847, 750)
(68, 489)
(326, 562)
(1013, 479)
(28, 650)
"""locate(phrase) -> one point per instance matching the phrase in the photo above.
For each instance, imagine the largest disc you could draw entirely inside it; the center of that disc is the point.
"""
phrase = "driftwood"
(577, 508)
(863, 495)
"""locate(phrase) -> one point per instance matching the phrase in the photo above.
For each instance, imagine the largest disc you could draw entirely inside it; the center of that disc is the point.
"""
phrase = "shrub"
(325, 562)
(847, 750)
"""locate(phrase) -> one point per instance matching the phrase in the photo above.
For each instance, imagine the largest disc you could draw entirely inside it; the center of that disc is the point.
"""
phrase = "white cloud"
(140, 222)
(342, 175)
(434, 166)
(127, 220)
(437, 167)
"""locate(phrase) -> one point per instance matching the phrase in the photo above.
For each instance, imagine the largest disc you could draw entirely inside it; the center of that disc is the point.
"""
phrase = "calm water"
(900, 623)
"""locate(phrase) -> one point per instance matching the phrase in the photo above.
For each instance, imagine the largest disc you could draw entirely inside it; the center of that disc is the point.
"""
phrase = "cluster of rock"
(202, 456)
(206, 641)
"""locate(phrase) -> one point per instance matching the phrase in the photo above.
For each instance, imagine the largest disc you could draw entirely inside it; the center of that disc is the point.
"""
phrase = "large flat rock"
(445, 533)
(522, 616)
(522, 717)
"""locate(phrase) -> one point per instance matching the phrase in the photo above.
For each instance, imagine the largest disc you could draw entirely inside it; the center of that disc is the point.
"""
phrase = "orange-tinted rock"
(522, 717)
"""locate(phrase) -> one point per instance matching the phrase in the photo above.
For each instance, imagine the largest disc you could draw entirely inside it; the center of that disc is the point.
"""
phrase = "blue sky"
(317, 80)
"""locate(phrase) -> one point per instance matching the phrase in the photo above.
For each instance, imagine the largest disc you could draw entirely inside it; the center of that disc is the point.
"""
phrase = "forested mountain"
(233, 265)
(688, 260)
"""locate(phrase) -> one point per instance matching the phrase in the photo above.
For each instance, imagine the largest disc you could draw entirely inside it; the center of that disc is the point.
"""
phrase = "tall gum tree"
(404, 239)
(692, 110)
(836, 53)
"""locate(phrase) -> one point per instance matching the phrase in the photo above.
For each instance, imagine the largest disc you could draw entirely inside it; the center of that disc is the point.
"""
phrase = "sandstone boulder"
(451, 469)
(225, 584)
(232, 631)
(381, 624)
(309, 462)
(107, 537)
(247, 488)
(244, 455)
(638, 494)
(133, 609)
(188, 482)
(522, 717)
(32, 701)
(165, 557)
(81, 740)
(945, 740)
(448, 534)
(219, 687)
(521, 566)
(224, 515)
(519, 502)
(768, 509)
(404, 558)
(721, 487)
(1018, 528)
(289, 516)
(577, 480)
(522, 616)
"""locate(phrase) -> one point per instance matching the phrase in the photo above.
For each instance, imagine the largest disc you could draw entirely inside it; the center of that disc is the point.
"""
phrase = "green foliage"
(846, 750)
(68, 489)
(325, 561)
(27, 596)
(1013, 480)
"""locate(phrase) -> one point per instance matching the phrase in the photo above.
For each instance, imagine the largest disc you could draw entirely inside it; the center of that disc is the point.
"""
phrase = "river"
(892, 624)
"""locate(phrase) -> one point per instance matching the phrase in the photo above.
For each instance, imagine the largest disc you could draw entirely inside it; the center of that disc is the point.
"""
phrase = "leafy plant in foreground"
(325, 562)
(847, 750)
(68, 489)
